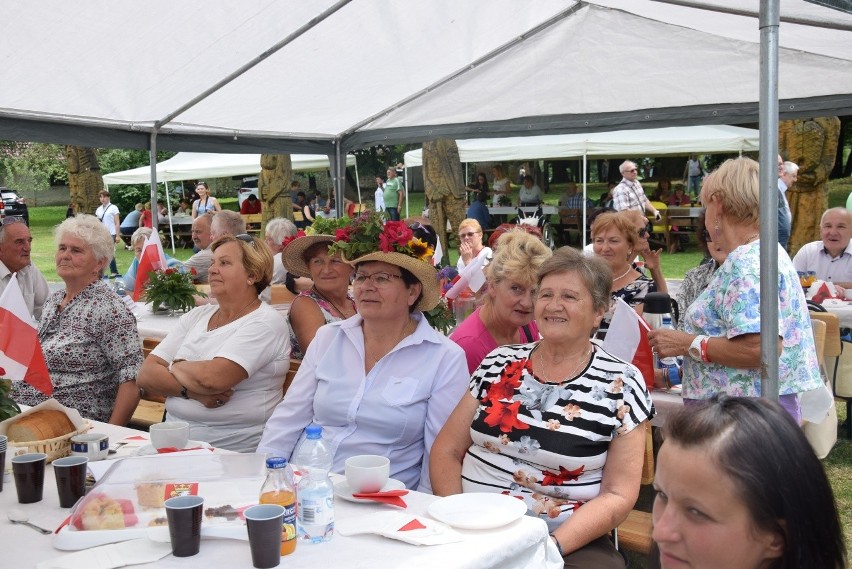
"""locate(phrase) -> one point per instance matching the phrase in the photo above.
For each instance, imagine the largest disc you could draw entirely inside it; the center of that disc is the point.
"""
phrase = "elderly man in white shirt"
(831, 258)
(15, 248)
(629, 194)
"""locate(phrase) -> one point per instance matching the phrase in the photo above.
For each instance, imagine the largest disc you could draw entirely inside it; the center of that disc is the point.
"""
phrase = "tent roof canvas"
(199, 165)
(222, 77)
(647, 142)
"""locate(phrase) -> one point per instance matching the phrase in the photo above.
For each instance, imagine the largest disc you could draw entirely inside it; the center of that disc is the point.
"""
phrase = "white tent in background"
(627, 143)
(200, 165)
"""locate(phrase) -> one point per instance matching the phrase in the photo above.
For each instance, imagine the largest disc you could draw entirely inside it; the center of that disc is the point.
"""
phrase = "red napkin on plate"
(392, 497)
(175, 449)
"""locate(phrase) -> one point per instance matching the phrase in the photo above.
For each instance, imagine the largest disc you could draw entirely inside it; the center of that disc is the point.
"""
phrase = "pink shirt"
(476, 341)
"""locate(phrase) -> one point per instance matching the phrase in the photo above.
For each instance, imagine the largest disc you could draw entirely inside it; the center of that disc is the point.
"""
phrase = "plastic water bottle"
(278, 489)
(119, 287)
(315, 492)
(670, 365)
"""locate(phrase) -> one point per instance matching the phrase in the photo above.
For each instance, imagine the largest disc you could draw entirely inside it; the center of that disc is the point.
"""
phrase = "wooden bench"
(253, 222)
(152, 409)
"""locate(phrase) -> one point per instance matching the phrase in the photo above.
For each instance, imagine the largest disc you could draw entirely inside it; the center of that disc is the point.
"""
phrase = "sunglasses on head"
(245, 238)
(645, 231)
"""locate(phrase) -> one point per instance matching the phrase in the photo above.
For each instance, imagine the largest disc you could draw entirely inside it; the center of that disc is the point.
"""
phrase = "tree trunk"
(273, 185)
(84, 178)
(444, 186)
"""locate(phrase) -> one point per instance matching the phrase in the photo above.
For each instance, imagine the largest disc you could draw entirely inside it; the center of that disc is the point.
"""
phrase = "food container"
(54, 448)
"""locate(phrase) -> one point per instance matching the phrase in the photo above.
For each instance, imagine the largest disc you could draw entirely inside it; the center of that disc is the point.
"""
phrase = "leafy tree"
(26, 166)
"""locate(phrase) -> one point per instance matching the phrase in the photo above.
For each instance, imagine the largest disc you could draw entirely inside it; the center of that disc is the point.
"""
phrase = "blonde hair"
(499, 173)
(735, 185)
(518, 256)
(470, 222)
(618, 220)
(257, 259)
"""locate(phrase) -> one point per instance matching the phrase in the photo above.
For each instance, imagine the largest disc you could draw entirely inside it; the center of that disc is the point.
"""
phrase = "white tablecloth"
(844, 314)
(524, 544)
(508, 210)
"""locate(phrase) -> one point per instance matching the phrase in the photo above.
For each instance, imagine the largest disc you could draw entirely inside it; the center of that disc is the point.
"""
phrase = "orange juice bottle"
(278, 488)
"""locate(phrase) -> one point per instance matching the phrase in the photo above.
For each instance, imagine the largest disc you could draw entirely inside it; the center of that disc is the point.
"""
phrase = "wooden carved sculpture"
(276, 171)
(812, 144)
(84, 178)
(444, 186)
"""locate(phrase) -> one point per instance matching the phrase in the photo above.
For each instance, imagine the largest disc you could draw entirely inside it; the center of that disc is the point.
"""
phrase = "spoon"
(19, 517)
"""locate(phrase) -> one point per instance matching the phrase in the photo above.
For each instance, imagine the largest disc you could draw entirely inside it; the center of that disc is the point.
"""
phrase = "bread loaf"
(40, 426)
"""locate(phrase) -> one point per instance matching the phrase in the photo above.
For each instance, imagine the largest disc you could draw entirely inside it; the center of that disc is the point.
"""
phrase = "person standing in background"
(692, 174)
(107, 213)
(380, 193)
(787, 175)
(393, 195)
(629, 194)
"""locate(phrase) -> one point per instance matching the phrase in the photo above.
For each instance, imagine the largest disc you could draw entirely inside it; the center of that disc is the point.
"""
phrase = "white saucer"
(342, 490)
(149, 449)
(477, 510)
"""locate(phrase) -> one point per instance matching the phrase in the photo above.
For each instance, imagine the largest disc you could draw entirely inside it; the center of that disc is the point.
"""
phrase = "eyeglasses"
(379, 279)
(706, 235)
(633, 170)
(645, 231)
(469, 234)
(10, 219)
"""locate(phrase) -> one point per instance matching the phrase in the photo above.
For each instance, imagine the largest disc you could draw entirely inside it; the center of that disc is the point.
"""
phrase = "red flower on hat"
(287, 240)
(394, 233)
(344, 234)
(2, 371)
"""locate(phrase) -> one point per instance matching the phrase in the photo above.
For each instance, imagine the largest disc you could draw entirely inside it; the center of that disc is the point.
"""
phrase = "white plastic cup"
(366, 473)
(171, 434)
(94, 446)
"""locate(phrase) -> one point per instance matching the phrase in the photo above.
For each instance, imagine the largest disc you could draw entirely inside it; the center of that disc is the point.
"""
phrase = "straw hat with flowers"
(321, 231)
(368, 239)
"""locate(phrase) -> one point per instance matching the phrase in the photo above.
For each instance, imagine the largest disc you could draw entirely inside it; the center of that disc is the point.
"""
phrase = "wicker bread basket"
(54, 448)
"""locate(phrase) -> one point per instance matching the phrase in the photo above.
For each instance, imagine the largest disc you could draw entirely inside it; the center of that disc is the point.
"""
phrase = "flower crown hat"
(321, 231)
(367, 239)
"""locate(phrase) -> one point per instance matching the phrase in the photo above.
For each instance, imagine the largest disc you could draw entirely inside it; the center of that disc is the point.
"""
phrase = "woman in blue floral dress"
(721, 330)
(559, 423)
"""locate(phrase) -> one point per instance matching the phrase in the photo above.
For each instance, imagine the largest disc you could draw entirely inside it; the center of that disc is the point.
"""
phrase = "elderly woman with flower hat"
(328, 299)
(393, 380)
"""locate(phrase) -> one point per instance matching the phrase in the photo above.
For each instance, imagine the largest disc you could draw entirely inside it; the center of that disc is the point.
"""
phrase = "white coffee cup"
(171, 434)
(367, 472)
(94, 446)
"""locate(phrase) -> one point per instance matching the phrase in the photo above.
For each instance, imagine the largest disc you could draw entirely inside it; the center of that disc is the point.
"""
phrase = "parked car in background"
(13, 205)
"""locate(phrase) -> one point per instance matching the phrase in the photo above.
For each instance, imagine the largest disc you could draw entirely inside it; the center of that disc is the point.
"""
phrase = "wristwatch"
(695, 351)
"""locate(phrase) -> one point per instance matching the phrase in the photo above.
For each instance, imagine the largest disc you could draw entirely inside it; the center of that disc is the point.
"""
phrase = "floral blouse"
(328, 312)
(91, 347)
(547, 443)
(632, 293)
(730, 307)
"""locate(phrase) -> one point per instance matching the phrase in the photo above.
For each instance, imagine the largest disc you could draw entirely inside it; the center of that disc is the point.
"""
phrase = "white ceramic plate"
(149, 449)
(477, 510)
(342, 490)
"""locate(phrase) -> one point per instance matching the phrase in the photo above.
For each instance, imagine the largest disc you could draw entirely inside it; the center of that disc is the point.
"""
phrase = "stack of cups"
(3, 443)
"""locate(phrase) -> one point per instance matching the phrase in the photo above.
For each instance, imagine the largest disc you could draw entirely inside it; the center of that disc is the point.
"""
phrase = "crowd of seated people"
(519, 395)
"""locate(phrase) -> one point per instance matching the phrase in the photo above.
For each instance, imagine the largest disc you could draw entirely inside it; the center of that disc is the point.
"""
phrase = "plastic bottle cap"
(276, 462)
(313, 431)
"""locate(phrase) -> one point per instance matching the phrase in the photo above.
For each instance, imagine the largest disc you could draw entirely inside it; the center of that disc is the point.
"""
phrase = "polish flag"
(20, 352)
(153, 259)
(627, 338)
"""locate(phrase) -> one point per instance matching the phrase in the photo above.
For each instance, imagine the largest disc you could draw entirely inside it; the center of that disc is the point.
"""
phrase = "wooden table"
(523, 544)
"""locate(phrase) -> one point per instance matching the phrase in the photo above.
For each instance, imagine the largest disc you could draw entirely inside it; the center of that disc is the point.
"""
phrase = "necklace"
(406, 330)
(219, 312)
(328, 300)
(621, 276)
(752, 238)
(584, 360)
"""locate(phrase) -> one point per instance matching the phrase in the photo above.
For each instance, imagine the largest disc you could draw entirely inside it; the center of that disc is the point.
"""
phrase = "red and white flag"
(627, 338)
(20, 352)
(153, 259)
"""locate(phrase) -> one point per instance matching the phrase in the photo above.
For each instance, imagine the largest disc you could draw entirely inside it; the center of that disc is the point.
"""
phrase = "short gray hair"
(627, 165)
(593, 270)
(279, 228)
(140, 234)
(91, 231)
(230, 222)
(791, 167)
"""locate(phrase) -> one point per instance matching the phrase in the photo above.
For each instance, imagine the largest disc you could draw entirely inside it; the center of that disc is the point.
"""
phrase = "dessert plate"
(342, 490)
(477, 510)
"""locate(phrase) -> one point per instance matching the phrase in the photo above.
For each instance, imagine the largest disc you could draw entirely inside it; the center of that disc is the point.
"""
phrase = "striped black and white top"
(547, 442)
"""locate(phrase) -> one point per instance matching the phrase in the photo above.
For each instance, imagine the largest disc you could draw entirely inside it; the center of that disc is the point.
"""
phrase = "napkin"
(133, 552)
(820, 291)
(415, 530)
(392, 497)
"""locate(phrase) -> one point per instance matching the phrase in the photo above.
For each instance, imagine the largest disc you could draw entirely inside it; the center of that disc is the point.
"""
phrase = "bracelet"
(704, 357)
(558, 546)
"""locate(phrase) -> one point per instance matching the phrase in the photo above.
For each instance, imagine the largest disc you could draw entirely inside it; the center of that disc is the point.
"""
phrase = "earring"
(250, 282)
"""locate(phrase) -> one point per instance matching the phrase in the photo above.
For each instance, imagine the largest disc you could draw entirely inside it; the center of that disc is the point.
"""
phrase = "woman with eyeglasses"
(205, 202)
(383, 381)
(222, 368)
(720, 340)
(615, 240)
(328, 299)
(470, 243)
(506, 314)
(87, 334)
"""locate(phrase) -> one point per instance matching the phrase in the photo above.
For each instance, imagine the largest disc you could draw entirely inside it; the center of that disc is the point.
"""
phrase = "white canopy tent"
(647, 142)
(209, 76)
(200, 165)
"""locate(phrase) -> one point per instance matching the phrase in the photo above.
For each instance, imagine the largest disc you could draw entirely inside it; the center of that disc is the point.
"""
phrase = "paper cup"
(70, 473)
(184, 516)
(171, 434)
(94, 446)
(366, 473)
(265, 523)
(28, 470)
